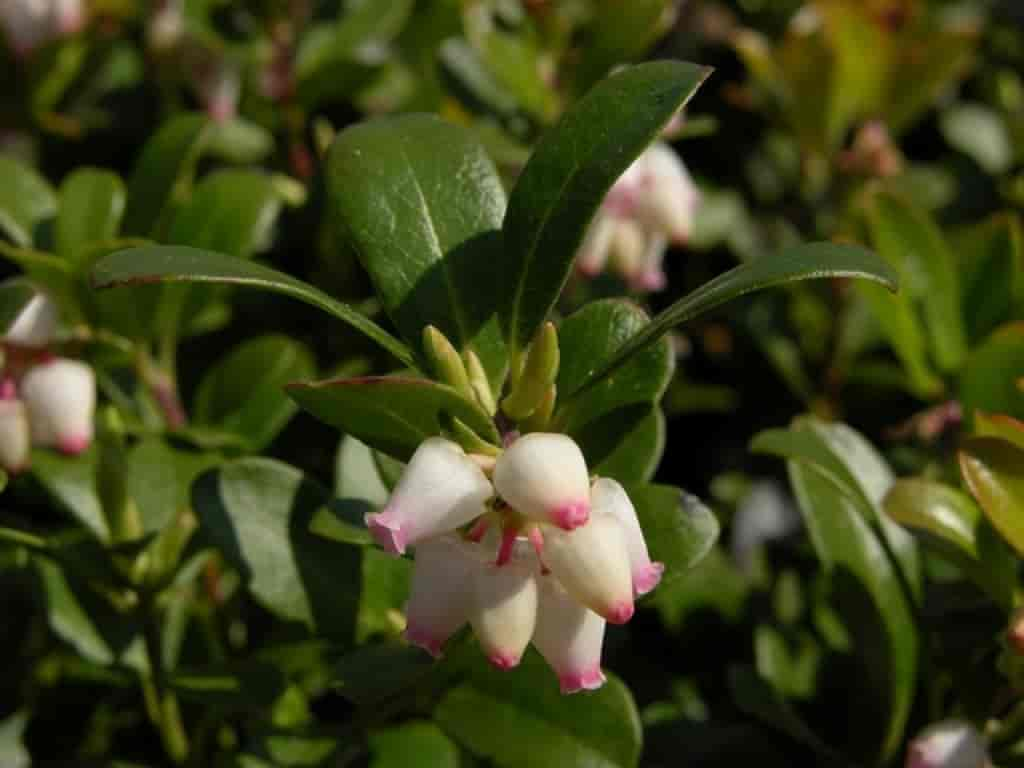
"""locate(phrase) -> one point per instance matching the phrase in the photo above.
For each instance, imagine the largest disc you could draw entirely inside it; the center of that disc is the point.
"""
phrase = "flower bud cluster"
(534, 553)
(650, 206)
(28, 24)
(45, 401)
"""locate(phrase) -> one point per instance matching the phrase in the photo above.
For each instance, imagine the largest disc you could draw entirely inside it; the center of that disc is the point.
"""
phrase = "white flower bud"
(61, 400)
(36, 324)
(608, 497)
(948, 744)
(628, 247)
(569, 636)
(441, 592)
(544, 476)
(15, 445)
(668, 198)
(504, 610)
(592, 563)
(440, 489)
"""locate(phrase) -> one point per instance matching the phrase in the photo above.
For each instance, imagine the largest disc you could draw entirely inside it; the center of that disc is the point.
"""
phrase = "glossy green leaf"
(999, 425)
(71, 483)
(993, 470)
(167, 158)
(567, 176)
(155, 264)
(421, 202)
(911, 242)
(953, 521)
(258, 512)
(802, 262)
(375, 672)
(238, 141)
(91, 204)
(159, 477)
(980, 132)
(991, 379)
(992, 273)
(15, 294)
(356, 475)
(519, 718)
(244, 392)
(393, 414)
(412, 743)
(26, 200)
(633, 452)
(678, 527)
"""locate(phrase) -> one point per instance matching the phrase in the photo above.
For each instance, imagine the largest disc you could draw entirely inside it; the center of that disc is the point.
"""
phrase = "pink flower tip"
(620, 613)
(423, 639)
(73, 444)
(387, 533)
(917, 757)
(503, 661)
(588, 679)
(571, 515)
(647, 578)
(8, 391)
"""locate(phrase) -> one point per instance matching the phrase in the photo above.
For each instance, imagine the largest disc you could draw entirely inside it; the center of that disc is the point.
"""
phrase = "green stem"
(161, 702)
(23, 538)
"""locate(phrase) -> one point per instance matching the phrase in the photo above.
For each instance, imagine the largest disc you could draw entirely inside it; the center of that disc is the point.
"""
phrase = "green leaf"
(71, 483)
(567, 176)
(992, 273)
(91, 204)
(258, 512)
(999, 425)
(15, 294)
(952, 521)
(421, 202)
(167, 159)
(244, 392)
(869, 595)
(356, 475)
(159, 477)
(239, 687)
(238, 141)
(980, 132)
(171, 264)
(993, 470)
(910, 241)
(635, 451)
(807, 261)
(373, 673)
(411, 744)
(393, 414)
(26, 200)
(614, 37)
(991, 379)
(519, 718)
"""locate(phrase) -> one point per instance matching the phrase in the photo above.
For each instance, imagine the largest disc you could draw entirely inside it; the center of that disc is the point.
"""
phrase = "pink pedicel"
(503, 661)
(423, 639)
(571, 515)
(647, 578)
(388, 534)
(73, 446)
(7, 390)
(508, 543)
(620, 613)
(588, 679)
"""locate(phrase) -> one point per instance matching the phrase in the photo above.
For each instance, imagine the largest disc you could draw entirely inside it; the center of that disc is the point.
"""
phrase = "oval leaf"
(991, 378)
(91, 204)
(993, 470)
(26, 199)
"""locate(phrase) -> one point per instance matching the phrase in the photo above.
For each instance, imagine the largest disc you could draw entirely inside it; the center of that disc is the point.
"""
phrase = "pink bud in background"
(948, 744)
(36, 324)
(544, 476)
(569, 636)
(668, 199)
(608, 497)
(504, 610)
(219, 89)
(440, 489)
(61, 399)
(592, 563)
(15, 443)
(441, 593)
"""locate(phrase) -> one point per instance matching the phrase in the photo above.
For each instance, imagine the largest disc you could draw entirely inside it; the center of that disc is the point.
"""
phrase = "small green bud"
(540, 419)
(478, 381)
(445, 361)
(539, 372)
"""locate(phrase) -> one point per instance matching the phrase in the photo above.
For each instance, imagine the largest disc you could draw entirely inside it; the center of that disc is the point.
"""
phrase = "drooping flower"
(569, 636)
(60, 396)
(503, 611)
(544, 476)
(440, 599)
(610, 498)
(440, 490)
(35, 325)
(948, 744)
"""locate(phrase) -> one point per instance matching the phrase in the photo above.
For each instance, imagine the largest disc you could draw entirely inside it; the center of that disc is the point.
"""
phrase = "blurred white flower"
(948, 744)
(30, 23)
(36, 324)
(60, 395)
(15, 439)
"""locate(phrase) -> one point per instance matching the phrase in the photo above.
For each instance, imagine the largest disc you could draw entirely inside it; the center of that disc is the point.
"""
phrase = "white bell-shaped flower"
(441, 591)
(544, 476)
(36, 324)
(15, 442)
(597, 244)
(948, 744)
(61, 399)
(569, 636)
(440, 489)
(504, 610)
(668, 197)
(592, 563)
(608, 497)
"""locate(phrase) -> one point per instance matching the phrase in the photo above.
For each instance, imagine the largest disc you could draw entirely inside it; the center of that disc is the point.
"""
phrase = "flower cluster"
(31, 23)
(650, 206)
(45, 401)
(570, 554)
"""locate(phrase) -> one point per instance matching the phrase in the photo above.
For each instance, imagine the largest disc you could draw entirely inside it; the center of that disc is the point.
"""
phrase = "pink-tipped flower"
(544, 476)
(592, 563)
(668, 197)
(440, 490)
(504, 610)
(569, 636)
(948, 744)
(608, 497)
(61, 399)
(36, 324)
(441, 594)
(15, 443)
